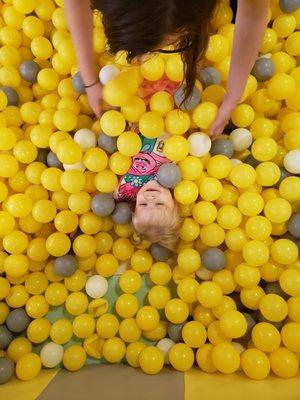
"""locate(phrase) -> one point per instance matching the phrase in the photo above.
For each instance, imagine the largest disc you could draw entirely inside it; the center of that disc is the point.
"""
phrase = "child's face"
(153, 196)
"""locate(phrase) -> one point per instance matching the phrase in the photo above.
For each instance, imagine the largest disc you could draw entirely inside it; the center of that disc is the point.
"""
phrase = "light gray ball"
(103, 204)
(294, 225)
(222, 146)
(107, 143)
(289, 6)
(29, 70)
(53, 161)
(159, 252)
(122, 213)
(5, 337)
(191, 102)
(17, 320)
(65, 265)
(42, 156)
(169, 175)
(78, 83)
(251, 161)
(12, 96)
(263, 69)
(210, 76)
(175, 332)
(7, 369)
(213, 259)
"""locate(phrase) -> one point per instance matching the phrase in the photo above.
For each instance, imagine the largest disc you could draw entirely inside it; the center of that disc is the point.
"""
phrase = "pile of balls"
(235, 301)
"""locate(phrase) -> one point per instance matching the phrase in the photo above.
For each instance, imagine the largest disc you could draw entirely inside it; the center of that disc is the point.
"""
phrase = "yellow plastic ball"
(129, 143)
(204, 114)
(209, 294)
(74, 357)
(151, 124)
(255, 364)
(161, 102)
(114, 350)
(112, 123)
(281, 86)
(28, 366)
(181, 357)
(289, 282)
(38, 330)
(284, 251)
(273, 307)
(284, 363)
(225, 358)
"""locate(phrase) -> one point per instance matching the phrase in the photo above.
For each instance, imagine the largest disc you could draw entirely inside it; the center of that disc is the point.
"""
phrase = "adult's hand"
(223, 116)
(94, 94)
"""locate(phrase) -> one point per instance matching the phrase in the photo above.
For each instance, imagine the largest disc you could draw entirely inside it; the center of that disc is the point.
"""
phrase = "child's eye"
(160, 204)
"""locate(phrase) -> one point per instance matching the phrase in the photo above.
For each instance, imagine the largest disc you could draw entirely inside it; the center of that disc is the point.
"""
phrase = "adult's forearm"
(251, 21)
(80, 20)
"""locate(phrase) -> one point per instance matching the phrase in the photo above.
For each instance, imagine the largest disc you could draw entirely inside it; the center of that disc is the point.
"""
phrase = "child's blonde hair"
(161, 226)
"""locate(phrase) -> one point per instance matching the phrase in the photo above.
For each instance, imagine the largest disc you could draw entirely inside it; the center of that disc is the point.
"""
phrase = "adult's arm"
(80, 20)
(251, 21)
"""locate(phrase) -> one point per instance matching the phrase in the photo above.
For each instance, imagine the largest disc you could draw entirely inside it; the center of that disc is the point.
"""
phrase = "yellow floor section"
(198, 386)
(17, 390)
(201, 386)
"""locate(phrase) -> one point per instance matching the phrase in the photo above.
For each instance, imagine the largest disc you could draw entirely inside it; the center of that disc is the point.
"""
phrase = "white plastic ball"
(85, 138)
(51, 354)
(107, 73)
(235, 161)
(241, 139)
(291, 161)
(165, 345)
(239, 347)
(204, 274)
(96, 286)
(79, 166)
(200, 144)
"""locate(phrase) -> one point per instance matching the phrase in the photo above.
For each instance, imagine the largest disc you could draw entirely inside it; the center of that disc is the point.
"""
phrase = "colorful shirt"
(143, 169)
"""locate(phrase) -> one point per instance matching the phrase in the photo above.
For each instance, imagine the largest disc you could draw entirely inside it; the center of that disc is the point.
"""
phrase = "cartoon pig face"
(143, 164)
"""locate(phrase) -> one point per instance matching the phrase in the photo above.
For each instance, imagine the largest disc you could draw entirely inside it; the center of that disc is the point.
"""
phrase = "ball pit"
(76, 285)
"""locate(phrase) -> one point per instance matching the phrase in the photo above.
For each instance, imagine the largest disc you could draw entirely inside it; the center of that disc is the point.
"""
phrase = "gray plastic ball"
(222, 146)
(42, 156)
(250, 324)
(251, 161)
(289, 6)
(122, 213)
(65, 265)
(159, 252)
(103, 204)
(17, 320)
(263, 69)
(274, 288)
(191, 102)
(283, 174)
(169, 175)
(5, 337)
(107, 143)
(78, 83)
(277, 325)
(12, 96)
(29, 70)
(7, 369)
(210, 76)
(289, 236)
(53, 161)
(213, 259)
(175, 332)
(294, 225)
